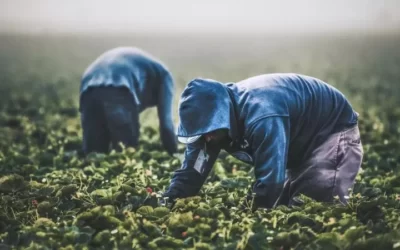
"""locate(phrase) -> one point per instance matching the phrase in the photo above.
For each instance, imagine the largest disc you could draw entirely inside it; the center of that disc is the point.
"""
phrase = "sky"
(197, 15)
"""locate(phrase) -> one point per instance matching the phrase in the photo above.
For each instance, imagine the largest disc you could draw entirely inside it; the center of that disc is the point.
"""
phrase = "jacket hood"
(205, 105)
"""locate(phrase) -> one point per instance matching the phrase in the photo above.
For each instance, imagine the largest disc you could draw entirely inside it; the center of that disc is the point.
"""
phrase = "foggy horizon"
(197, 16)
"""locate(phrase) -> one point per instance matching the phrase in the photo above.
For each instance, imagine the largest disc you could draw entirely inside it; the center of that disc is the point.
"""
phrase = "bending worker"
(115, 89)
(300, 134)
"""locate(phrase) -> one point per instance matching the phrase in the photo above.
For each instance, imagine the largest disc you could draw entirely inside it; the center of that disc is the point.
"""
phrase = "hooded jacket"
(274, 123)
(146, 78)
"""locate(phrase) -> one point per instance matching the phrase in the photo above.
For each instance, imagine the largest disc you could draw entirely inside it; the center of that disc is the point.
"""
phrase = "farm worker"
(300, 134)
(114, 89)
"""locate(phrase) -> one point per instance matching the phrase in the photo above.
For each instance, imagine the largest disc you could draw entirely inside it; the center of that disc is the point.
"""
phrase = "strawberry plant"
(51, 197)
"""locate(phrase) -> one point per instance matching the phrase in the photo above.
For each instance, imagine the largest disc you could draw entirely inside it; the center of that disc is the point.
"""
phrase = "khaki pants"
(330, 171)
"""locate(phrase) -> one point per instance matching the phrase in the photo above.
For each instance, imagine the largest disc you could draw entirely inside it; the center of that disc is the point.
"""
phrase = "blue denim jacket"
(148, 80)
(274, 122)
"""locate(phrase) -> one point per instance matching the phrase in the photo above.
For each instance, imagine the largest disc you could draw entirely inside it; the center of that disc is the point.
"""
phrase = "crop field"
(53, 198)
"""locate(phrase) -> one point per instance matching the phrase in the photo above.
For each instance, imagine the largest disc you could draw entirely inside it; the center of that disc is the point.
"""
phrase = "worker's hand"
(185, 183)
(168, 200)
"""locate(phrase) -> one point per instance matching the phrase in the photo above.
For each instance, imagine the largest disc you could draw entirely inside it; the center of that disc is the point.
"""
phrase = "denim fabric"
(330, 171)
(148, 80)
(109, 116)
(275, 121)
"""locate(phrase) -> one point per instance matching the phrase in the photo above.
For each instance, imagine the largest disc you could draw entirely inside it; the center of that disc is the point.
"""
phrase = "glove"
(184, 183)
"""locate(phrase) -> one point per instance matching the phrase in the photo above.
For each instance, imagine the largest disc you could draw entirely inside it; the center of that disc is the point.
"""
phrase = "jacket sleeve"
(198, 162)
(164, 110)
(269, 140)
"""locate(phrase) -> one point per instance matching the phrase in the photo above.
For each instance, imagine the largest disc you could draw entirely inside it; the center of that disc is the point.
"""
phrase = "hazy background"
(238, 16)
(46, 45)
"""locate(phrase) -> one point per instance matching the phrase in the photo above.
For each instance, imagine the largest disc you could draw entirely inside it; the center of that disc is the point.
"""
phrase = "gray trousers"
(330, 171)
(108, 117)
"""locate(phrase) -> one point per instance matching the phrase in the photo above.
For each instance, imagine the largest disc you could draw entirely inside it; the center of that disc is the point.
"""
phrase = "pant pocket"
(352, 136)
